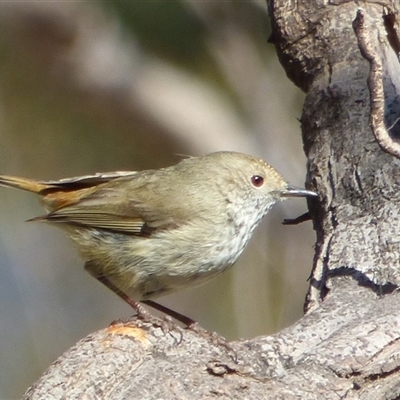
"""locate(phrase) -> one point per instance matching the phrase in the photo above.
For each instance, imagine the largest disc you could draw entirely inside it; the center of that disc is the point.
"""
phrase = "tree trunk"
(347, 345)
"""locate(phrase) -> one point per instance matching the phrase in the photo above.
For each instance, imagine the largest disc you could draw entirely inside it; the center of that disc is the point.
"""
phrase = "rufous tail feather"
(21, 183)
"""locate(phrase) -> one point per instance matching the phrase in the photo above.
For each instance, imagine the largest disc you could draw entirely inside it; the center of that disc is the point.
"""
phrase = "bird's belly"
(145, 268)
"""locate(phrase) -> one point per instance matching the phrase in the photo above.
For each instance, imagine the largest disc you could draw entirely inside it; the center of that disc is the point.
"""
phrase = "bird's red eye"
(257, 180)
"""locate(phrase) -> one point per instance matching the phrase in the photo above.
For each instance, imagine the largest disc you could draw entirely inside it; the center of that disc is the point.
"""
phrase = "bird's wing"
(87, 180)
(118, 206)
(100, 219)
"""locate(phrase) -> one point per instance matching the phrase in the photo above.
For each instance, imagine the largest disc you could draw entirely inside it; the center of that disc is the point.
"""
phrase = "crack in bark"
(318, 290)
(362, 280)
(358, 179)
(331, 180)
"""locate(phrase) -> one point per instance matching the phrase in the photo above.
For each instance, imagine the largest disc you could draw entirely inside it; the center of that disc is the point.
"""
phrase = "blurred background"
(102, 86)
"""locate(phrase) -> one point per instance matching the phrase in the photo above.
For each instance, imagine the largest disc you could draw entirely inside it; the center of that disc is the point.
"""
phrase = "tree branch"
(375, 84)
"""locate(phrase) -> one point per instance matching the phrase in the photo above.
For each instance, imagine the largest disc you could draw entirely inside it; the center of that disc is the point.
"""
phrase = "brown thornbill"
(148, 233)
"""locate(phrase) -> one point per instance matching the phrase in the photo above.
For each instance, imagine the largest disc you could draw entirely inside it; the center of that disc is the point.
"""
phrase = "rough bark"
(347, 344)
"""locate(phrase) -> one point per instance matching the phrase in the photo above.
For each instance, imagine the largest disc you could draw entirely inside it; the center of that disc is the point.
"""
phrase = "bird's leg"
(166, 325)
(188, 322)
(141, 311)
(194, 326)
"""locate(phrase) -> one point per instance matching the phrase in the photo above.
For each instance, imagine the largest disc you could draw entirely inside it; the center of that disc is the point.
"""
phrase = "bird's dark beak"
(292, 191)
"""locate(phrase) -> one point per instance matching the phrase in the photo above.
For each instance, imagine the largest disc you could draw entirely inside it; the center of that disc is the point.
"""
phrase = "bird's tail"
(21, 183)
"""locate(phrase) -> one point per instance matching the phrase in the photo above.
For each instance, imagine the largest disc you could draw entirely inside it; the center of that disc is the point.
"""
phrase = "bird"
(145, 234)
